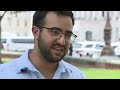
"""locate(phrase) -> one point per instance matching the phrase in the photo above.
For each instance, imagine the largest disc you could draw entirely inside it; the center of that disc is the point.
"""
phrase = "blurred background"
(96, 50)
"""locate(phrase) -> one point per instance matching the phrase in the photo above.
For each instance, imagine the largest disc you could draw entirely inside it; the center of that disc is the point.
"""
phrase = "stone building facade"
(19, 24)
(89, 25)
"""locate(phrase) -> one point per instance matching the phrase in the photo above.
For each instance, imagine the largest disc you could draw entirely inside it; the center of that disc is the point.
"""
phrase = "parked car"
(17, 43)
(115, 44)
(117, 51)
(88, 48)
(7, 34)
(116, 48)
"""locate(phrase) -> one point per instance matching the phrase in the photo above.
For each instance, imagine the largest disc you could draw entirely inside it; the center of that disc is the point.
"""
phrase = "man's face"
(53, 50)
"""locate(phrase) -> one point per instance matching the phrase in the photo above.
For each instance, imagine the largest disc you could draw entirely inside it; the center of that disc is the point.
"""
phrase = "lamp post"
(107, 50)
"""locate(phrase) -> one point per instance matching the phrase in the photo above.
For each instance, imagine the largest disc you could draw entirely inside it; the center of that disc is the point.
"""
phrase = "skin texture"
(48, 52)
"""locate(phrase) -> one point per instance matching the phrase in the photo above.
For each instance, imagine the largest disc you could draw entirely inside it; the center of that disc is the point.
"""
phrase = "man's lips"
(59, 48)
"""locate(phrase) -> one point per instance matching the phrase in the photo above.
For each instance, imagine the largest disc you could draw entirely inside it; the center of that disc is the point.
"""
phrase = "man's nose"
(62, 40)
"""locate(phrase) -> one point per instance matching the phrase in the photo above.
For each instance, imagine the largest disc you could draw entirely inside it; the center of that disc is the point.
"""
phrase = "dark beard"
(46, 53)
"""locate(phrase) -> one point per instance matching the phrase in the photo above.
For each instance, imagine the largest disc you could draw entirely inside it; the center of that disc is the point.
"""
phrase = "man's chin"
(58, 58)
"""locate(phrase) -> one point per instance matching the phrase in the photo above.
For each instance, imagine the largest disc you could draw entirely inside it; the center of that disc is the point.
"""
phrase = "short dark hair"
(39, 16)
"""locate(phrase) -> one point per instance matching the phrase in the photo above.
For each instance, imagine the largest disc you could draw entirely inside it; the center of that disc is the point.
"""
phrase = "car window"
(114, 47)
(77, 45)
(99, 46)
(117, 48)
(89, 46)
(3, 40)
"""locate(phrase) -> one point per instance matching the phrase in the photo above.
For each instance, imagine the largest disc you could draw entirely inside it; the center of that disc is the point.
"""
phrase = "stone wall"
(82, 62)
(90, 63)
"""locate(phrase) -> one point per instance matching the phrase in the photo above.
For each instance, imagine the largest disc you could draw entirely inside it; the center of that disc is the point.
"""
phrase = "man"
(52, 31)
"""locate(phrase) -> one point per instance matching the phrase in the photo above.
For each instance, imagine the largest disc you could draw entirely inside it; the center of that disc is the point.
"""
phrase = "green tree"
(1, 17)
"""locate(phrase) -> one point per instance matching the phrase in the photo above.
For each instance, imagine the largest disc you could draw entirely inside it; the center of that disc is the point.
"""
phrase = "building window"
(88, 35)
(25, 22)
(103, 14)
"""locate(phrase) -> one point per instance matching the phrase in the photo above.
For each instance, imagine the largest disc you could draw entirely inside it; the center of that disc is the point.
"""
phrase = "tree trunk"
(0, 43)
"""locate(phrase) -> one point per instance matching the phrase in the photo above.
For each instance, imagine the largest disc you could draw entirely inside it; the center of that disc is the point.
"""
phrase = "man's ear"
(35, 32)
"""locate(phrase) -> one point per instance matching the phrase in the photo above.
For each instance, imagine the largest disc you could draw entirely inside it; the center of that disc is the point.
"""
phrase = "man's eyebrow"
(56, 28)
(69, 32)
(61, 30)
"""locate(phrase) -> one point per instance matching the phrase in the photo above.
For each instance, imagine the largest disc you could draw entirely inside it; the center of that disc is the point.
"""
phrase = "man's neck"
(46, 68)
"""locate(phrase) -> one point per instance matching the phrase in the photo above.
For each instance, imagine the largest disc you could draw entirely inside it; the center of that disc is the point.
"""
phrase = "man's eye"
(55, 32)
(68, 35)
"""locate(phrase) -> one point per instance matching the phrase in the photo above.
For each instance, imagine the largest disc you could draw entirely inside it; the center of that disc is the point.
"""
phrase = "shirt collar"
(64, 67)
(24, 62)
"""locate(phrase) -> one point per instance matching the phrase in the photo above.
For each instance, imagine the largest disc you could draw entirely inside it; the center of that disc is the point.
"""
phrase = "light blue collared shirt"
(12, 70)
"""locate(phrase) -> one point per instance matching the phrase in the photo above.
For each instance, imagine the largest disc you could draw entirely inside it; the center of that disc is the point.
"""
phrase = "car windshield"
(114, 47)
(77, 45)
(89, 46)
(99, 47)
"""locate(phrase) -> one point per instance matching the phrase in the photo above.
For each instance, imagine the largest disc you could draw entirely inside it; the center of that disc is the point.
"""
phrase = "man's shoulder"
(10, 65)
(75, 71)
(9, 75)
(71, 67)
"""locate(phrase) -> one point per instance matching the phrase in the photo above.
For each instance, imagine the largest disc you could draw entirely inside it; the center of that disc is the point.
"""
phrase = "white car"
(116, 48)
(17, 43)
(115, 44)
(117, 51)
(88, 48)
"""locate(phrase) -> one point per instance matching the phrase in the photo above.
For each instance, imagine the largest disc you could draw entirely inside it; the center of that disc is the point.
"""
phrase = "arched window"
(88, 35)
